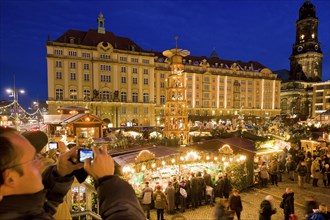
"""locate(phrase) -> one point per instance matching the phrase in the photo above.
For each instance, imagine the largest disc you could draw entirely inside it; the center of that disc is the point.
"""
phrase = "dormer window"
(71, 40)
(302, 36)
(313, 36)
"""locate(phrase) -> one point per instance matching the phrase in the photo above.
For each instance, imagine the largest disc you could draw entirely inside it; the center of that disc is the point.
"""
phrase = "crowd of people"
(189, 192)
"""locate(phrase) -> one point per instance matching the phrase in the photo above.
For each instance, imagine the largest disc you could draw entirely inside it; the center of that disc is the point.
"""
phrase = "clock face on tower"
(316, 47)
(300, 48)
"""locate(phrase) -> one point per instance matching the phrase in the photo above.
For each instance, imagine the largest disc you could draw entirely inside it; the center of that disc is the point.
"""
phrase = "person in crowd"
(291, 166)
(170, 197)
(21, 182)
(235, 203)
(308, 161)
(264, 175)
(287, 203)
(201, 188)
(302, 172)
(316, 171)
(326, 175)
(160, 202)
(207, 181)
(266, 209)
(188, 189)
(183, 196)
(147, 196)
(273, 170)
(311, 204)
(219, 186)
(320, 214)
(281, 171)
(194, 190)
(226, 186)
(176, 186)
(222, 211)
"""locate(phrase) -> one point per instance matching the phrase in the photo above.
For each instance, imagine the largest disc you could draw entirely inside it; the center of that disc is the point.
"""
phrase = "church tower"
(306, 57)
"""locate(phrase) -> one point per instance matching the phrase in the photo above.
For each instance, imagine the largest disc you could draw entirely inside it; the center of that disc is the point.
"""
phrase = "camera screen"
(84, 154)
(52, 145)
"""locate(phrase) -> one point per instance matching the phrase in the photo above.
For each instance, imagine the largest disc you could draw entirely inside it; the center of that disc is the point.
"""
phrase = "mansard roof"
(93, 38)
(216, 62)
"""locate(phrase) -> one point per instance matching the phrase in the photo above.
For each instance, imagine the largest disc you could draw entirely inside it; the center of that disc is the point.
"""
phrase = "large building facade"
(119, 81)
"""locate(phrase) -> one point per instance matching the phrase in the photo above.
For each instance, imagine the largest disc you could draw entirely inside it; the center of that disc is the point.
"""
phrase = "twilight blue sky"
(260, 30)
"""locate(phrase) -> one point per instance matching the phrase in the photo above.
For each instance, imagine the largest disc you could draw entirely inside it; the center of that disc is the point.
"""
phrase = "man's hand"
(64, 165)
(103, 164)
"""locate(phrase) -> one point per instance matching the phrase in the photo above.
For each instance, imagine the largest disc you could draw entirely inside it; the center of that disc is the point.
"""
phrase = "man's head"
(20, 170)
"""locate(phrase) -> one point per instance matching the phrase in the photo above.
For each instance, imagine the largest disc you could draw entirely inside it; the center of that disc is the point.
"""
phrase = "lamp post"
(14, 93)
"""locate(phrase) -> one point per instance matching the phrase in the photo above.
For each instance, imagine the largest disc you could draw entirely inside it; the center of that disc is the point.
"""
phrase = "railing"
(85, 215)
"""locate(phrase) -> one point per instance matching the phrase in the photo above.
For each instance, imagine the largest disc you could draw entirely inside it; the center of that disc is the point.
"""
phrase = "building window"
(207, 87)
(197, 103)
(145, 71)
(146, 111)
(145, 81)
(162, 85)
(72, 65)
(162, 99)
(123, 69)
(135, 110)
(73, 76)
(123, 96)
(86, 77)
(58, 64)
(87, 94)
(123, 110)
(73, 94)
(135, 80)
(134, 70)
(105, 56)
(123, 59)
(86, 55)
(72, 53)
(162, 75)
(58, 75)
(135, 97)
(105, 96)
(206, 79)
(146, 97)
(59, 94)
(58, 52)
(134, 60)
(123, 79)
(145, 61)
(105, 78)
(105, 67)
(86, 66)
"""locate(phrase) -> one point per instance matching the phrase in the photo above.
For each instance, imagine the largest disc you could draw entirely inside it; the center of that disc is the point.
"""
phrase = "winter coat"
(40, 205)
(274, 167)
(169, 192)
(266, 210)
(147, 195)
(264, 172)
(288, 203)
(316, 170)
(160, 199)
(235, 203)
(301, 170)
(117, 199)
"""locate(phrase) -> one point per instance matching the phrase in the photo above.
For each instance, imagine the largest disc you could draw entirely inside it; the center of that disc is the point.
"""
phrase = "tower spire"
(100, 24)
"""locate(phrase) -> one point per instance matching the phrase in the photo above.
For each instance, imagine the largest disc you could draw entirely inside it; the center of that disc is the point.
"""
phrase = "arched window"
(59, 94)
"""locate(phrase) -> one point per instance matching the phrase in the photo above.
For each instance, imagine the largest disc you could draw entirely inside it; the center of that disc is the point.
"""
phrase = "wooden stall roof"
(159, 152)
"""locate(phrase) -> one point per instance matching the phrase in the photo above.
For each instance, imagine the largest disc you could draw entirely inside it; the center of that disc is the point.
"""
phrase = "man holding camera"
(25, 193)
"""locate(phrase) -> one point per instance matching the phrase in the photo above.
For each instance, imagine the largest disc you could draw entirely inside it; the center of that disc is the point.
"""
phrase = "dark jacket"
(117, 199)
(235, 203)
(266, 210)
(40, 205)
(288, 201)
